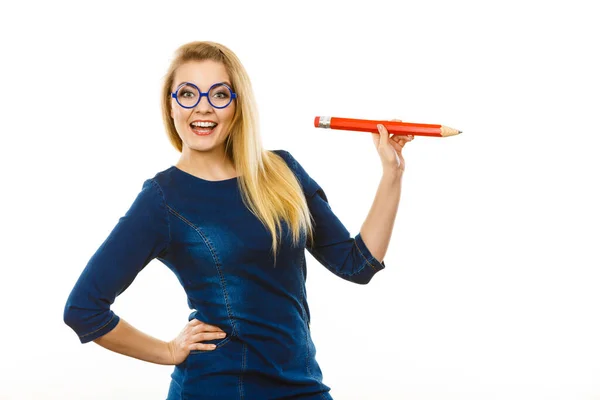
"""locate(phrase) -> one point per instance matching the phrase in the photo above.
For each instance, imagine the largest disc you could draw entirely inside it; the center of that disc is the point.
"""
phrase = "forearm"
(126, 339)
(376, 231)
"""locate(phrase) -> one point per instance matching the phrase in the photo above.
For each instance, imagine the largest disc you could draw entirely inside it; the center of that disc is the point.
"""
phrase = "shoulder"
(167, 183)
(308, 183)
(150, 197)
(165, 177)
(292, 163)
(283, 154)
(288, 158)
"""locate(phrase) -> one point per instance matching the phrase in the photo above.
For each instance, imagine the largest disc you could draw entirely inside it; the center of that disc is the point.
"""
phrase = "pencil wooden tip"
(447, 131)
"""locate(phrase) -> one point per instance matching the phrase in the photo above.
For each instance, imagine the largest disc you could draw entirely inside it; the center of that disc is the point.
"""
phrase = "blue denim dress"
(221, 254)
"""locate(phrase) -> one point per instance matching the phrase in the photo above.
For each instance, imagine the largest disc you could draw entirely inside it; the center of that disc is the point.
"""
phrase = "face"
(202, 74)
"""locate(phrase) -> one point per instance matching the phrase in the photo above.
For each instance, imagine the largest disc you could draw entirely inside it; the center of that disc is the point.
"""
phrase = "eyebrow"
(225, 82)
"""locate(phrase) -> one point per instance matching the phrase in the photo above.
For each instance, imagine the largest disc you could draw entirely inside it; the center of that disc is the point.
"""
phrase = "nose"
(203, 105)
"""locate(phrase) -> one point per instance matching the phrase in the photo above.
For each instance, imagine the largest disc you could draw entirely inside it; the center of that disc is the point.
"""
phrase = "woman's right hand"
(190, 338)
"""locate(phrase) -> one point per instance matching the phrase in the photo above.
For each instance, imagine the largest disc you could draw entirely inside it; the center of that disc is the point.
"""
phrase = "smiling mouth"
(198, 130)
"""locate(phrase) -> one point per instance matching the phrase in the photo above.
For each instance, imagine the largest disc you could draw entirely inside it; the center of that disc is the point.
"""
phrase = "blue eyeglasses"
(189, 95)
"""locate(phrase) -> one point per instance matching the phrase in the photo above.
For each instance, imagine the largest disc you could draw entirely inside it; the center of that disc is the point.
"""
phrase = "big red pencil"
(395, 127)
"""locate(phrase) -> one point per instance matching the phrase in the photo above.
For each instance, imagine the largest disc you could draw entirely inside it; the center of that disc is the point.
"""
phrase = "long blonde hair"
(268, 186)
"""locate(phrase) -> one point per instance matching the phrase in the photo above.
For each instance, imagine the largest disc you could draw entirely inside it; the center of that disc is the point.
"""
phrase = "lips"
(202, 131)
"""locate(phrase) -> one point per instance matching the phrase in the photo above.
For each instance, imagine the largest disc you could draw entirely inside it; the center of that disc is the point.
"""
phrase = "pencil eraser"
(317, 122)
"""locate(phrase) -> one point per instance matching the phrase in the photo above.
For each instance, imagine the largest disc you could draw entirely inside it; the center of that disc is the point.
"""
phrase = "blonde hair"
(268, 186)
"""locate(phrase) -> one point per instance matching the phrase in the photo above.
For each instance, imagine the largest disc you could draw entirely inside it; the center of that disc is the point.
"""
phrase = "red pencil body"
(395, 127)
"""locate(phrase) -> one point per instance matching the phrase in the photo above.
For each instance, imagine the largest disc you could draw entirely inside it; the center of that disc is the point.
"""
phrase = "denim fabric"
(220, 253)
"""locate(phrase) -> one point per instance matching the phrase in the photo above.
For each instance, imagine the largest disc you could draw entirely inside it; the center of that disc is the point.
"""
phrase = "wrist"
(169, 353)
(392, 174)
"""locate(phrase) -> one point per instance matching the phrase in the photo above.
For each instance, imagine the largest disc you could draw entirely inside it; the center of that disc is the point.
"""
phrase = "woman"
(231, 220)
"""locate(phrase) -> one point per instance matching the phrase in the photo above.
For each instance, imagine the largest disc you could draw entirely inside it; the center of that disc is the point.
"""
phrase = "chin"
(204, 146)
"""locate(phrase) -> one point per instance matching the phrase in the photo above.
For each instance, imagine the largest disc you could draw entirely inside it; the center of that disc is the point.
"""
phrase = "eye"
(221, 94)
(186, 94)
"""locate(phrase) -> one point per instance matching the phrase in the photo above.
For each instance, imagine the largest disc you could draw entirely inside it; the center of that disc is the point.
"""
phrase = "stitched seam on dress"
(361, 253)
(165, 207)
(173, 381)
(241, 378)
(308, 357)
(303, 287)
(217, 264)
(307, 336)
(102, 327)
(185, 378)
(178, 385)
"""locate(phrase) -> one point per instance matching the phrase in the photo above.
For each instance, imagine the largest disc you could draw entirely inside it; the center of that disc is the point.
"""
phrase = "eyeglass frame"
(174, 94)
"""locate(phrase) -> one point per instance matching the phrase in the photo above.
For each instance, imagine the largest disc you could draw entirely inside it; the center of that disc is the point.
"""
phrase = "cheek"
(179, 118)
(227, 115)
(176, 111)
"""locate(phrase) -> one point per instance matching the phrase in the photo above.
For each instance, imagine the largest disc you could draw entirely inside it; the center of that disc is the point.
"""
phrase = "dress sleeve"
(346, 256)
(139, 236)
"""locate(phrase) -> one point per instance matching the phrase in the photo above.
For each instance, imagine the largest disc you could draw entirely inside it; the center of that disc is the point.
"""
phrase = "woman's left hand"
(390, 149)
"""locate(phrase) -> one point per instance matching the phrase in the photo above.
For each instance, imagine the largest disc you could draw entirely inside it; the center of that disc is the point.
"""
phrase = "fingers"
(204, 336)
(396, 138)
(398, 141)
(402, 138)
(199, 332)
(202, 346)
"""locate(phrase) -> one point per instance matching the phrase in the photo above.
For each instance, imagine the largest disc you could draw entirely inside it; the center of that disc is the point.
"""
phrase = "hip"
(237, 370)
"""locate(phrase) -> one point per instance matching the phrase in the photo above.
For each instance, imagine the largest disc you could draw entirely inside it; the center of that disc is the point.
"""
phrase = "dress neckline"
(194, 177)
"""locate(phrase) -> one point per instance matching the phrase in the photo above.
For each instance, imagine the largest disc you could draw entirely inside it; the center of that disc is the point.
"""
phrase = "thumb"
(383, 134)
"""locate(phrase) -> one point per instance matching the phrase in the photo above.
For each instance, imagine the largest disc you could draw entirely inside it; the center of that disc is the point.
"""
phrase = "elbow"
(69, 316)
(368, 271)
(361, 279)
(89, 324)
(74, 319)
(76, 312)
(353, 265)
(365, 274)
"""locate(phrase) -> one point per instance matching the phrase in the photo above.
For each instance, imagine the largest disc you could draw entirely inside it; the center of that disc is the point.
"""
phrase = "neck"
(211, 165)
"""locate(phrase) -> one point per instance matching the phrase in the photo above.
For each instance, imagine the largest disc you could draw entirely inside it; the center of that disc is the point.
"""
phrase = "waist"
(259, 368)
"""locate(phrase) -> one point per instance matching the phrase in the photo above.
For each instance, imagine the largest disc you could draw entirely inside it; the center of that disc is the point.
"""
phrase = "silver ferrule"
(325, 122)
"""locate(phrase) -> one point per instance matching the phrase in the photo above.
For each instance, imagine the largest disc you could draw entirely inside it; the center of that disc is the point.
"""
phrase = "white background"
(491, 286)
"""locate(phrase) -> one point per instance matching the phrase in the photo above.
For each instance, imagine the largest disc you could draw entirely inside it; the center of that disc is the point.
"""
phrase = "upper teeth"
(204, 124)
